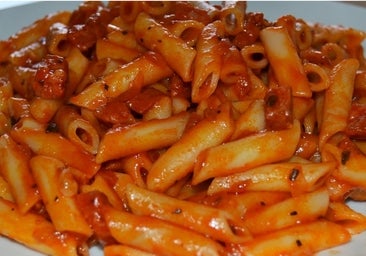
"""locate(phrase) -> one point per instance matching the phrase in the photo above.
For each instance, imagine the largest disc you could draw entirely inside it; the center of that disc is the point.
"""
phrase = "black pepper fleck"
(298, 243)
(293, 213)
(294, 173)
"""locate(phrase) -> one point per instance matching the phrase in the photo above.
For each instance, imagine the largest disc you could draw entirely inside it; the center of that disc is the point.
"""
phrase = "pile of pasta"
(181, 128)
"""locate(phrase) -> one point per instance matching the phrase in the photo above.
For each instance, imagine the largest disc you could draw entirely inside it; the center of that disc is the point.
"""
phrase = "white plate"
(331, 13)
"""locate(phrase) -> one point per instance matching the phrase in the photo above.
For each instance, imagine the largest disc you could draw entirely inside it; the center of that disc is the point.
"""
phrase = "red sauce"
(253, 24)
(278, 108)
(356, 127)
(87, 24)
(51, 77)
(115, 112)
(145, 100)
(308, 146)
(92, 205)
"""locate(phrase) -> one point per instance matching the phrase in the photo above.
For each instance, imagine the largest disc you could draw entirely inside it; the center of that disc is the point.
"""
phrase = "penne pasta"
(152, 235)
(141, 137)
(136, 166)
(132, 75)
(181, 128)
(350, 162)
(255, 56)
(174, 50)
(14, 161)
(312, 237)
(100, 183)
(47, 172)
(232, 15)
(178, 161)
(57, 42)
(35, 231)
(339, 94)
(299, 209)
(207, 64)
(251, 121)
(188, 30)
(78, 65)
(287, 177)
(33, 52)
(317, 77)
(107, 49)
(43, 110)
(282, 56)
(54, 145)
(77, 129)
(5, 190)
(182, 213)
(344, 215)
(31, 33)
(246, 153)
(242, 203)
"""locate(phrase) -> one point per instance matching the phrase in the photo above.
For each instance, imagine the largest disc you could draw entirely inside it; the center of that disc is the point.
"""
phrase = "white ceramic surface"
(14, 15)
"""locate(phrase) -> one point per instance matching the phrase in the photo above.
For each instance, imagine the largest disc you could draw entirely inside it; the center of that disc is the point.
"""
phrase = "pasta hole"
(332, 55)
(272, 100)
(52, 127)
(301, 33)
(333, 52)
(313, 77)
(231, 21)
(84, 136)
(257, 56)
(207, 85)
(237, 230)
(345, 156)
(68, 184)
(136, 115)
(301, 36)
(63, 45)
(190, 35)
